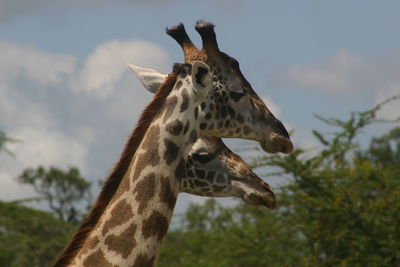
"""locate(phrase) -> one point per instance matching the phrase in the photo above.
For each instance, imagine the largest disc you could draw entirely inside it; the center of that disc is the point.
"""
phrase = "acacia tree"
(63, 190)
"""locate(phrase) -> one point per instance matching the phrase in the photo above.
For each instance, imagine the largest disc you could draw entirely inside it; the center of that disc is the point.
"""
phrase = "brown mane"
(114, 179)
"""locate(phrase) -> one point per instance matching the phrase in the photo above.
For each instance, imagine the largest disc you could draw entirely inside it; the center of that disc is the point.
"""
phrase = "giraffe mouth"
(277, 143)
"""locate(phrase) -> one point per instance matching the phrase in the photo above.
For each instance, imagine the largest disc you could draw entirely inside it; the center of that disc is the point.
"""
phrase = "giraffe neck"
(132, 228)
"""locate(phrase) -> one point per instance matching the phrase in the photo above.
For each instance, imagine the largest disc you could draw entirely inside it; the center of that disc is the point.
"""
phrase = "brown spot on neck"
(150, 156)
(167, 195)
(144, 191)
(121, 213)
(123, 243)
(171, 151)
(151, 137)
(90, 244)
(155, 225)
(175, 127)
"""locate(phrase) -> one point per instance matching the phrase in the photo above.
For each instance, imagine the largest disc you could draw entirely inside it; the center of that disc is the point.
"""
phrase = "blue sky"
(66, 93)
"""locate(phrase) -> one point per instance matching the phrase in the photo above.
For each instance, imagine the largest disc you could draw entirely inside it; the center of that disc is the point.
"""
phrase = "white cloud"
(19, 63)
(41, 67)
(16, 110)
(343, 73)
(41, 146)
(104, 68)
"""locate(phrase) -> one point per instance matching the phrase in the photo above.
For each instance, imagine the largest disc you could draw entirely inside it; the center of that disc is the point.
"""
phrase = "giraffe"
(130, 228)
(241, 113)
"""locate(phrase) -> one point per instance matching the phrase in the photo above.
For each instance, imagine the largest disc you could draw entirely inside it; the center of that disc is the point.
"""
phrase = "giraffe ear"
(201, 78)
(151, 79)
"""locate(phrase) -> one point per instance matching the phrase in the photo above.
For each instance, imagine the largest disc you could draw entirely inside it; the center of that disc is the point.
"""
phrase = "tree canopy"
(63, 190)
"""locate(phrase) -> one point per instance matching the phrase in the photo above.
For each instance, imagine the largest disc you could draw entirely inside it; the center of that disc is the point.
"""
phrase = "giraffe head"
(232, 108)
(212, 169)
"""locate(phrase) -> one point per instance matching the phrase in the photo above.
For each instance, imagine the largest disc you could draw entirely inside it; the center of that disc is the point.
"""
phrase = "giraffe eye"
(202, 157)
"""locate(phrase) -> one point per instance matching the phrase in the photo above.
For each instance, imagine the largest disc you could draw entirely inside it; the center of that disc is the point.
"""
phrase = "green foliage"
(341, 207)
(63, 190)
(385, 150)
(348, 215)
(30, 237)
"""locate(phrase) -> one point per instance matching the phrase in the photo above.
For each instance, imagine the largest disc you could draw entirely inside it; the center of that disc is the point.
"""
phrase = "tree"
(384, 150)
(64, 190)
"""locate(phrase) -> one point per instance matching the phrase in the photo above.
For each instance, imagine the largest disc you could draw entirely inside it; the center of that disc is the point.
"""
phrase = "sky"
(67, 95)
